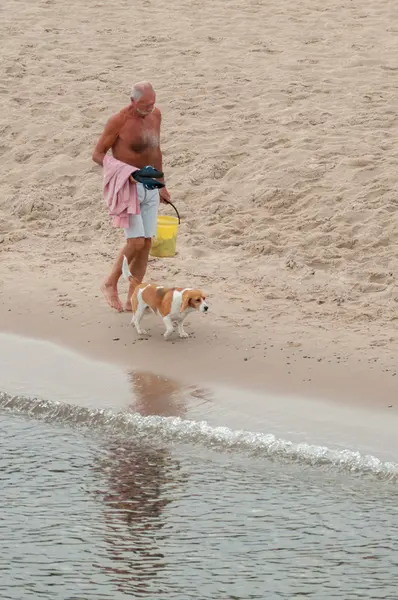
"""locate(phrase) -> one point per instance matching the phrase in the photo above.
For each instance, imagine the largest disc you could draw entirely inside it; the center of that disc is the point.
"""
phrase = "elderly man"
(133, 134)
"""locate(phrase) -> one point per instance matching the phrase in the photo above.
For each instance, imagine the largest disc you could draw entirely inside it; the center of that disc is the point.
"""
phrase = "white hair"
(139, 89)
(136, 92)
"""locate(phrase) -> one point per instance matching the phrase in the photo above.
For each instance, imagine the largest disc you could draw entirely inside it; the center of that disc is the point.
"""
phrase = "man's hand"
(164, 195)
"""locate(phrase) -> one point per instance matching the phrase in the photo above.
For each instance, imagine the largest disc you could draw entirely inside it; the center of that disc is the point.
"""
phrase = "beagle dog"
(172, 304)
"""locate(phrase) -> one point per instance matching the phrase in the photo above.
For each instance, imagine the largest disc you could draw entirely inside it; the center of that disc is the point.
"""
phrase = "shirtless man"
(133, 134)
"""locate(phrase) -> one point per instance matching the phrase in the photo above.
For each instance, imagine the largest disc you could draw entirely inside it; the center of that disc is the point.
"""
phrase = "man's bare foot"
(111, 296)
(127, 306)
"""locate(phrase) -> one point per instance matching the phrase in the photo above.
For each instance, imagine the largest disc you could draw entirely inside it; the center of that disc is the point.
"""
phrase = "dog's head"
(194, 299)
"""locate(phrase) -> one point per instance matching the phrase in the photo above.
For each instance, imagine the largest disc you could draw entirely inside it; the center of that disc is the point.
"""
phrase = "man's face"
(145, 105)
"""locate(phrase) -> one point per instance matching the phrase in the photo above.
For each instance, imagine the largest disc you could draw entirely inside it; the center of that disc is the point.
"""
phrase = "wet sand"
(35, 368)
(258, 359)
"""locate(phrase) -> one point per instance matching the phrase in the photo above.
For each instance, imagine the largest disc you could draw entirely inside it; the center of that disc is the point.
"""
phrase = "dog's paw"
(167, 335)
(184, 335)
(142, 332)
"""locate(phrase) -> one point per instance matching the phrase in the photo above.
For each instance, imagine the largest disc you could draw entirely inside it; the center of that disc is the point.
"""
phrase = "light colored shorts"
(144, 224)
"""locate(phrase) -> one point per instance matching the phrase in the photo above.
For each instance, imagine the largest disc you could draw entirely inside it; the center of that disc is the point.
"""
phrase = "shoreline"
(53, 373)
(217, 353)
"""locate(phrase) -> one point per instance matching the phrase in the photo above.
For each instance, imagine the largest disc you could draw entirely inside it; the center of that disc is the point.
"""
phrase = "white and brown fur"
(172, 304)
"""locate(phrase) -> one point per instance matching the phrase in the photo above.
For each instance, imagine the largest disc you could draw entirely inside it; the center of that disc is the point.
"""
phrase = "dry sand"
(279, 141)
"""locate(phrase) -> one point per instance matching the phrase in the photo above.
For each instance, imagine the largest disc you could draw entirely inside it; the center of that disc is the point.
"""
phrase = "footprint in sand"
(370, 288)
(198, 253)
(378, 278)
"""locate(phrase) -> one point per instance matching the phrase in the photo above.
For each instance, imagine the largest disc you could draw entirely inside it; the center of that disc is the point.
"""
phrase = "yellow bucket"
(165, 241)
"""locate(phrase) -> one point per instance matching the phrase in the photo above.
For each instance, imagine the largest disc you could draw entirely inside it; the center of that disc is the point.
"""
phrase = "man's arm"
(158, 158)
(163, 192)
(107, 139)
(158, 164)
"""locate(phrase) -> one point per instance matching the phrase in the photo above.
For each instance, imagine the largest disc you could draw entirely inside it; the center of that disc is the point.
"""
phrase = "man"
(133, 134)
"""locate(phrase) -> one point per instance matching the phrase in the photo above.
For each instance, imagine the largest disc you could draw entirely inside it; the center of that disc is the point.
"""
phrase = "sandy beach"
(279, 141)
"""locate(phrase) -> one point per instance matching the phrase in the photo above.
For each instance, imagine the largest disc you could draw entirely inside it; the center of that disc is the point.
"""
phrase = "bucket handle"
(177, 213)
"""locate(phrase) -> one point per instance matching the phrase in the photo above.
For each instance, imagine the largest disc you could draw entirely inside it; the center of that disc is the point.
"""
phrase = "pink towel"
(119, 192)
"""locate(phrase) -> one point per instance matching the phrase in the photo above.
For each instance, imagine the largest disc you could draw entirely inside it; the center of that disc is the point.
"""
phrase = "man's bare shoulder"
(117, 120)
(157, 113)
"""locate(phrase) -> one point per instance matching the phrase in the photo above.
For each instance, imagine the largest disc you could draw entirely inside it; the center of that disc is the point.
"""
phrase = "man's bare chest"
(140, 135)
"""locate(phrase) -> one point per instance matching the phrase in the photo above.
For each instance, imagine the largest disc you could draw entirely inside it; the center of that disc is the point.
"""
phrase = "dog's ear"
(186, 296)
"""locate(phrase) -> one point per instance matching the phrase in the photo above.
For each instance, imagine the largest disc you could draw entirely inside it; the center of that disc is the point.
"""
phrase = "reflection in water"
(227, 525)
(155, 395)
(139, 480)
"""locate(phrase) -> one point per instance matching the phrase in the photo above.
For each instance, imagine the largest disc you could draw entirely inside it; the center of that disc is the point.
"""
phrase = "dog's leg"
(169, 327)
(137, 317)
(181, 332)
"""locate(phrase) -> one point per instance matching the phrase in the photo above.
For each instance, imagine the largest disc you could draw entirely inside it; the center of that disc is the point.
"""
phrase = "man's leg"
(138, 269)
(149, 214)
(131, 249)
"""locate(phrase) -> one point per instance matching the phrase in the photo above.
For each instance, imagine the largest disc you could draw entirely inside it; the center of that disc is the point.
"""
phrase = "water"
(98, 505)
(118, 485)
(172, 429)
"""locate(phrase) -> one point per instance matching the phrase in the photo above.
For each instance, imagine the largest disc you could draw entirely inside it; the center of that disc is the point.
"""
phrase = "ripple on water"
(175, 429)
(96, 516)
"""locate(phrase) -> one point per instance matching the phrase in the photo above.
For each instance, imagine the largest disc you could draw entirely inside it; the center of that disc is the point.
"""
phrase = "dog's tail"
(126, 271)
